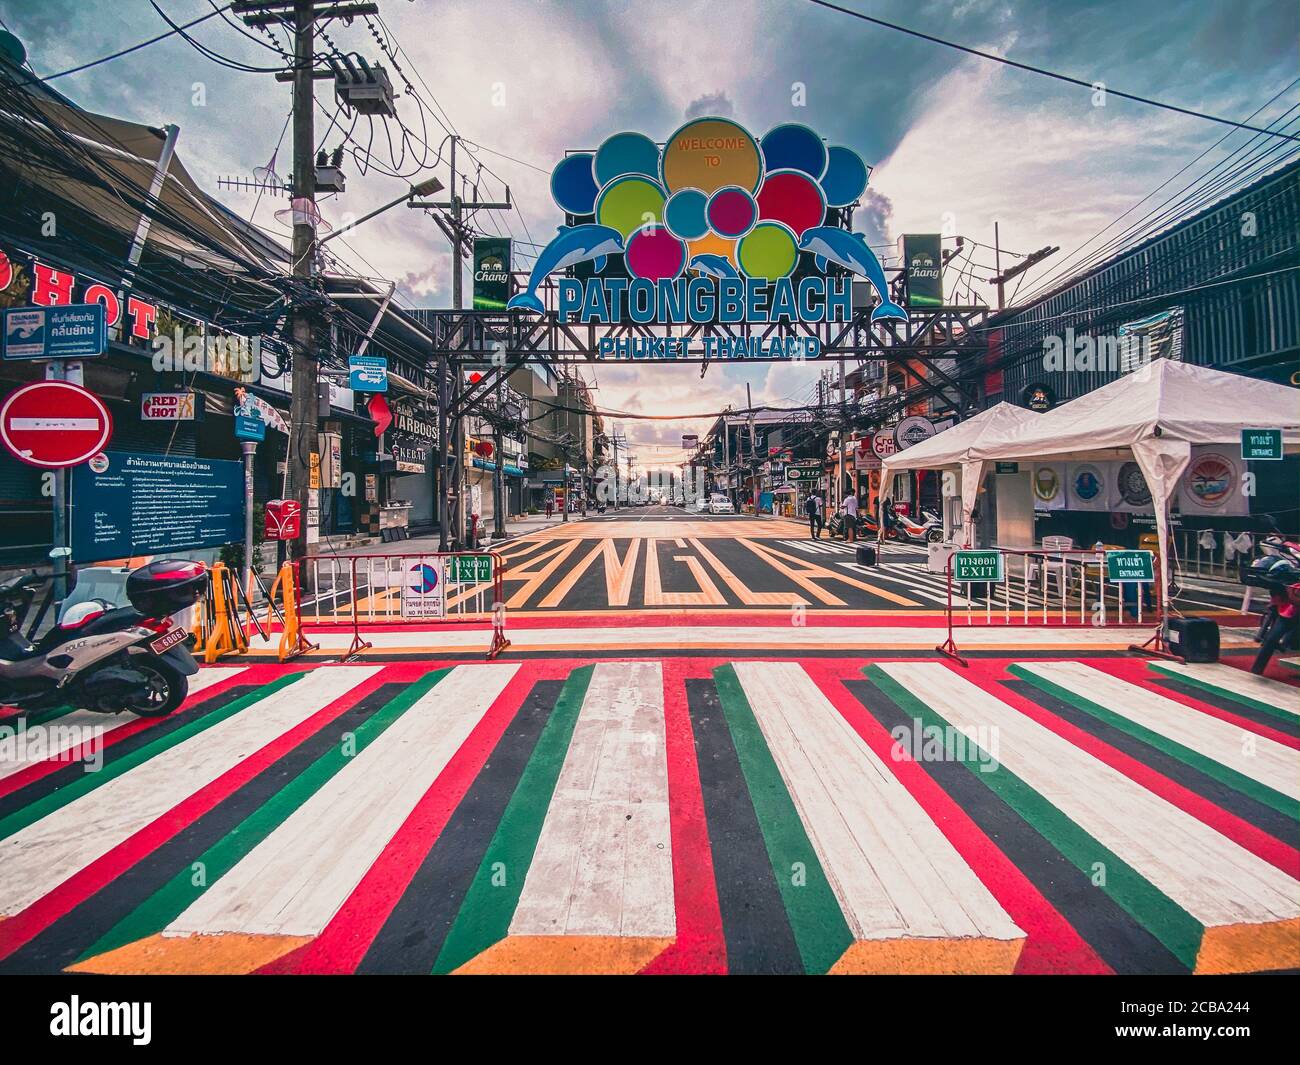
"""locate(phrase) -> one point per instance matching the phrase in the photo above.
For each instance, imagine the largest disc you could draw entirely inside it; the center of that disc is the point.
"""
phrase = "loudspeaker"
(866, 555)
(1193, 639)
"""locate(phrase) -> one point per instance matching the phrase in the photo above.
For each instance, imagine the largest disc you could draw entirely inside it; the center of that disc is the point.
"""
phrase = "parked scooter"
(1279, 629)
(929, 530)
(102, 658)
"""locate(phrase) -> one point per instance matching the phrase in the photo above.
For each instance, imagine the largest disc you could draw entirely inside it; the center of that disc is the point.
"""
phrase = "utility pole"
(1032, 259)
(451, 498)
(301, 17)
(844, 417)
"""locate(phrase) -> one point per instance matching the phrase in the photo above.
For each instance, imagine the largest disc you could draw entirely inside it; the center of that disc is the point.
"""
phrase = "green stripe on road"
(179, 893)
(1177, 929)
(489, 904)
(88, 782)
(1283, 804)
(818, 923)
(1225, 693)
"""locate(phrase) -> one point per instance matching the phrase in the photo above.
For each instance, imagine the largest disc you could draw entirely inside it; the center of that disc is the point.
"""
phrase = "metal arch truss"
(473, 336)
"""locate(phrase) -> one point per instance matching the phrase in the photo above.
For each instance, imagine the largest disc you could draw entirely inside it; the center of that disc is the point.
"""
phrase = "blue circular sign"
(845, 178)
(626, 153)
(684, 214)
(573, 186)
(794, 147)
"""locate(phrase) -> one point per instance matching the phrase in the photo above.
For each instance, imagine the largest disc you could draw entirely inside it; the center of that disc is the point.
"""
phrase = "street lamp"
(427, 187)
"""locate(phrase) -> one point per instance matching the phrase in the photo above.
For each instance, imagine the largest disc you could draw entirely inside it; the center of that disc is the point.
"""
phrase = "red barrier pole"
(949, 646)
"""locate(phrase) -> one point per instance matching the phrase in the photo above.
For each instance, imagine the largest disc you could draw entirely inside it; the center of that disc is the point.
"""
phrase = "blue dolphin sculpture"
(850, 251)
(572, 244)
(711, 265)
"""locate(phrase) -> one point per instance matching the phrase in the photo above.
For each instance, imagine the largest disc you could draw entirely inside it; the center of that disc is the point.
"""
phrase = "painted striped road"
(598, 895)
(1262, 693)
(910, 901)
(1253, 757)
(62, 735)
(285, 890)
(39, 849)
(1217, 906)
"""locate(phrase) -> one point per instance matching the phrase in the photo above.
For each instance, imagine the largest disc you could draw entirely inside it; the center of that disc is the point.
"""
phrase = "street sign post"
(1130, 567)
(71, 331)
(1261, 445)
(367, 373)
(54, 424)
(970, 566)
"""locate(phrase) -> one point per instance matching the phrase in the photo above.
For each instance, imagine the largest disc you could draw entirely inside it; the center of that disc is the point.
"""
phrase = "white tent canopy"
(954, 449)
(1156, 413)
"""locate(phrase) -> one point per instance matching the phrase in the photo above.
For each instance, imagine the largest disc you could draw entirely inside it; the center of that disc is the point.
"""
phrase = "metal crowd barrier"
(1049, 587)
(411, 588)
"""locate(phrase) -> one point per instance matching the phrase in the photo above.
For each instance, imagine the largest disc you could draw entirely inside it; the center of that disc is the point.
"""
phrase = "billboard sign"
(716, 226)
(923, 263)
(491, 273)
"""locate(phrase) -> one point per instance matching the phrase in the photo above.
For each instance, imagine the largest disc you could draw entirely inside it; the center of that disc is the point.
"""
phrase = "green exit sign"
(465, 569)
(1136, 567)
(977, 566)
(1261, 444)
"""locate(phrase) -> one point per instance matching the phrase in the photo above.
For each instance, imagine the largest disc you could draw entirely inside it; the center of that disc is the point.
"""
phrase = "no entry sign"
(54, 424)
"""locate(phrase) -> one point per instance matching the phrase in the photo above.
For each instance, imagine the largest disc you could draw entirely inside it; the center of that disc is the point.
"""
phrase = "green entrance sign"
(977, 566)
(1130, 567)
(801, 473)
(466, 569)
(1261, 444)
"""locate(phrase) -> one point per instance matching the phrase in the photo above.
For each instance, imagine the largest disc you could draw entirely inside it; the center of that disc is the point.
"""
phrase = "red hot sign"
(56, 288)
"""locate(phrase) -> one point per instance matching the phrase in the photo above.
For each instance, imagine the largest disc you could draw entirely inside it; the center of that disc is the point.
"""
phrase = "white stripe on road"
(894, 873)
(296, 879)
(68, 731)
(604, 860)
(41, 856)
(1233, 681)
(1271, 763)
(1214, 879)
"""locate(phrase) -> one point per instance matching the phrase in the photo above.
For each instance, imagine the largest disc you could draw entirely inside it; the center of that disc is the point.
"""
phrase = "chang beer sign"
(715, 226)
(491, 273)
(922, 255)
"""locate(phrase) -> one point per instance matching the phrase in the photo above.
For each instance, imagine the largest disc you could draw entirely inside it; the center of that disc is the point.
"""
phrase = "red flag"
(379, 413)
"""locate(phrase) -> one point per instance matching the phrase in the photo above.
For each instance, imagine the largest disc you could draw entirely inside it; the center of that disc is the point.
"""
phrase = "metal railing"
(417, 587)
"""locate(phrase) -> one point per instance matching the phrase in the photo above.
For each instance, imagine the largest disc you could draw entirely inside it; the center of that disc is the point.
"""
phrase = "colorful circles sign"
(710, 153)
(846, 176)
(655, 254)
(684, 214)
(794, 147)
(626, 153)
(573, 186)
(731, 212)
(712, 190)
(769, 251)
(792, 197)
(628, 203)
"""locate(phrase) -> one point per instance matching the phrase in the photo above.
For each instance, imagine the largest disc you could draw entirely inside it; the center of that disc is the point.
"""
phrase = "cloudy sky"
(957, 142)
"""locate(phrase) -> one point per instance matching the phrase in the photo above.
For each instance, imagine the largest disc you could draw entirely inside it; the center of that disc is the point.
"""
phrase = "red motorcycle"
(1279, 629)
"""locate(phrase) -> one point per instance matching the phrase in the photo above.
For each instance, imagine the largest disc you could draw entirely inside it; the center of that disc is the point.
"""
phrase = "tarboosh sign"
(52, 287)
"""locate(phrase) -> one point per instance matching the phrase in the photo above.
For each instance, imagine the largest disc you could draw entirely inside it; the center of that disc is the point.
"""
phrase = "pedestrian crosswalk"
(828, 815)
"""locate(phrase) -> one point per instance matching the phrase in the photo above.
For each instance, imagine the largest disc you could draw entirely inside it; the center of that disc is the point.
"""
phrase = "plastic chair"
(1058, 566)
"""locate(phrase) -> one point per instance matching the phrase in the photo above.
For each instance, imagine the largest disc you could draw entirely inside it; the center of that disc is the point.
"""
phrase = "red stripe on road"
(700, 947)
(344, 941)
(1052, 944)
(24, 926)
(989, 676)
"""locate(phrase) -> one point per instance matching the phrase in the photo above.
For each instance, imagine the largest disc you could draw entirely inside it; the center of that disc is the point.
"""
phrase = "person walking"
(850, 508)
(550, 504)
(812, 506)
